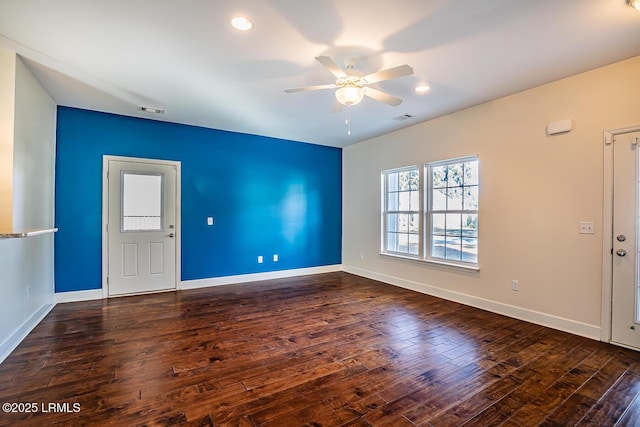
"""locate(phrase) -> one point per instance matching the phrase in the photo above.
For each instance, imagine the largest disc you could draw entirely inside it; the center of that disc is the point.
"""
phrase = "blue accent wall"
(266, 195)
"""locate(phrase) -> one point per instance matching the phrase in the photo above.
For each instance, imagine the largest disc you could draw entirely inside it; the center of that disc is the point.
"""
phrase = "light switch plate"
(210, 220)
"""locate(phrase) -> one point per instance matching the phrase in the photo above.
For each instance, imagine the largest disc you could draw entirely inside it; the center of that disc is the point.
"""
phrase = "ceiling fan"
(352, 85)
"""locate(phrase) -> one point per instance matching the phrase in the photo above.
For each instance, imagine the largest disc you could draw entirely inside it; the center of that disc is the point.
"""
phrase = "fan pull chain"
(348, 120)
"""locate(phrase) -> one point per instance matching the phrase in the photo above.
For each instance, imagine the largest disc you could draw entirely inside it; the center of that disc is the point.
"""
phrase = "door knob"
(621, 252)
(172, 235)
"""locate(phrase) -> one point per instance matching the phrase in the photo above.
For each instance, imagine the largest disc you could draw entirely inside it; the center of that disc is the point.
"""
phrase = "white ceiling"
(183, 56)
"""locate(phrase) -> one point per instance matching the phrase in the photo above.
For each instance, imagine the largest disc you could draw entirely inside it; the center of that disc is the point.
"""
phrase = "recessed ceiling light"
(422, 88)
(241, 23)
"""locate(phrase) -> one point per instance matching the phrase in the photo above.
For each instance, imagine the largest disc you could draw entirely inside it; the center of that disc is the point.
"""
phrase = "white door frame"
(607, 230)
(105, 215)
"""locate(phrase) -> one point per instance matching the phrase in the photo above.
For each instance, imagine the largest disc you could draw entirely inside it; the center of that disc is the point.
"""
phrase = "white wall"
(535, 189)
(26, 265)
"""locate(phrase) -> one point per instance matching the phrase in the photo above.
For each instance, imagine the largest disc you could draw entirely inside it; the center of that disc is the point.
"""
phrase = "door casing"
(607, 230)
(105, 215)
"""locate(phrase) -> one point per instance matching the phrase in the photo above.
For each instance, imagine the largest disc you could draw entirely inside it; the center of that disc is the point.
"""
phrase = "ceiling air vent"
(151, 110)
(403, 117)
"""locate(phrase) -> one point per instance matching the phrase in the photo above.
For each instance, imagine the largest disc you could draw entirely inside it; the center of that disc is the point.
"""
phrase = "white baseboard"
(543, 319)
(254, 277)
(94, 294)
(23, 330)
(74, 296)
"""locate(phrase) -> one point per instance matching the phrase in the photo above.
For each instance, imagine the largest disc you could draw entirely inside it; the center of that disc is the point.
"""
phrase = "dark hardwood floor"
(324, 350)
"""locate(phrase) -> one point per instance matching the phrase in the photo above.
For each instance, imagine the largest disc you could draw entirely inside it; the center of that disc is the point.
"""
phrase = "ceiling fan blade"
(306, 88)
(378, 95)
(390, 73)
(337, 107)
(331, 66)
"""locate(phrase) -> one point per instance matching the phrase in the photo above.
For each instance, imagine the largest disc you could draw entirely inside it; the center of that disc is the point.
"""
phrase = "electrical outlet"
(515, 285)
(210, 220)
(260, 259)
(587, 227)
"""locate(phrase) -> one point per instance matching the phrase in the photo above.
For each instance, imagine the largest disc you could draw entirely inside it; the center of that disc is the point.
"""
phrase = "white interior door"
(625, 307)
(141, 226)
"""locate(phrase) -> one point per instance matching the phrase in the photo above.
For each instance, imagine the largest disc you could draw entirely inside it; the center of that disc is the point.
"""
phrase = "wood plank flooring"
(323, 350)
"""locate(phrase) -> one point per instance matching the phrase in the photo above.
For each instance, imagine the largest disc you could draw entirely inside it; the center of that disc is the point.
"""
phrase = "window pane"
(141, 202)
(454, 225)
(392, 201)
(439, 176)
(403, 199)
(403, 243)
(470, 225)
(392, 242)
(414, 223)
(439, 199)
(470, 250)
(437, 246)
(404, 181)
(392, 182)
(403, 223)
(392, 222)
(415, 201)
(438, 223)
(470, 198)
(471, 173)
(413, 244)
(454, 201)
(454, 249)
(455, 175)
(413, 180)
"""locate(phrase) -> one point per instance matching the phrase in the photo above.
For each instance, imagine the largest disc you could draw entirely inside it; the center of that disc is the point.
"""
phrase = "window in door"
(142, 201)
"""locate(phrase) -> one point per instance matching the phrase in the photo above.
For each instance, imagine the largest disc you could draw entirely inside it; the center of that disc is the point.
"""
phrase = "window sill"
(433, 262)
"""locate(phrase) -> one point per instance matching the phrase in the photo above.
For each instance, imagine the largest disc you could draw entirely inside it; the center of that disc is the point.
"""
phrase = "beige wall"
(535, 189)
(7, 105)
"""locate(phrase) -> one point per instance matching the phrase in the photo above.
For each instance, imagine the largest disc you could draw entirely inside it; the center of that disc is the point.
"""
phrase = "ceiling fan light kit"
(634, 4)
(352, 86)
(350, 94)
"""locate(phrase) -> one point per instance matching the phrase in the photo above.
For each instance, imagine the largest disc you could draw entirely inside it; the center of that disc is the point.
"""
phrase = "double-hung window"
(401, 211)
(431, 213)
(451, 212)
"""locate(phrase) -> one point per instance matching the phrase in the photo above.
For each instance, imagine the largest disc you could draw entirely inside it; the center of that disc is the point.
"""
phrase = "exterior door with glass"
(141, 226)
(625, 297)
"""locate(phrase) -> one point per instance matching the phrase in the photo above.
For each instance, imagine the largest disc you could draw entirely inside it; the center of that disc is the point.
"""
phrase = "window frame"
(429, 211)
(386, 212)
(425, 234)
